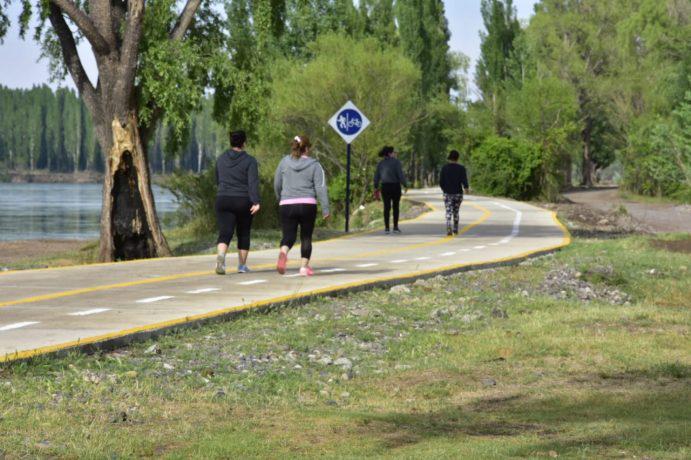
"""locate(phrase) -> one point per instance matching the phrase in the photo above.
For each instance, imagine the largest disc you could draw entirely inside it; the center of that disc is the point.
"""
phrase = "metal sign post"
(348, 122)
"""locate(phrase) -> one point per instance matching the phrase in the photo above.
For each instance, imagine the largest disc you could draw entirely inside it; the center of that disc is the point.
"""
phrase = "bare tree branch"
(101, 12)
(74, 64)
(84, 23)
(185, 19)
(129, 51)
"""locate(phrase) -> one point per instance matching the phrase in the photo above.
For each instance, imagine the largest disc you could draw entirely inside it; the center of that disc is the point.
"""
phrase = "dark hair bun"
(386, 151)
(237, 139)
(454, 155)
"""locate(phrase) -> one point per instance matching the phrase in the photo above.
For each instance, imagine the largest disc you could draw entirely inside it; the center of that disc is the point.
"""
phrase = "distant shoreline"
(50, 177)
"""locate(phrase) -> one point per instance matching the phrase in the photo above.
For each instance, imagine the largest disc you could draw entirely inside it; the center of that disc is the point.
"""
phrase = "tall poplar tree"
(496, 51)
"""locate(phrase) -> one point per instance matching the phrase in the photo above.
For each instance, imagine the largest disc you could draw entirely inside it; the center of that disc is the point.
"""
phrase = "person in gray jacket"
(299, 183)
(390, 176)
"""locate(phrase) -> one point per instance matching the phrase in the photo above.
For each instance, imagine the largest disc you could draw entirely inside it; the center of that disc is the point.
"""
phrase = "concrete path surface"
(48, 310)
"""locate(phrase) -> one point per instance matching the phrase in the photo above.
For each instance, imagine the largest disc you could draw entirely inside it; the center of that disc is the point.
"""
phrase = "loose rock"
(400, 289)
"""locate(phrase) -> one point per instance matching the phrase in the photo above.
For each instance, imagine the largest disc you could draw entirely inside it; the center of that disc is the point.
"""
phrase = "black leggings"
(303, 215)
(391, 194)
(232, 212)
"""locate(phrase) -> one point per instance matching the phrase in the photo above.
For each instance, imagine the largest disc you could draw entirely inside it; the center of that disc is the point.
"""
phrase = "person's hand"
(405, 190)
(255, 209)
(326, 216)
(467, 190)
(377, 195)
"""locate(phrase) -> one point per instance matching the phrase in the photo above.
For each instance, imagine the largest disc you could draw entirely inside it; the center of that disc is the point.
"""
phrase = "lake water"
(59, 211)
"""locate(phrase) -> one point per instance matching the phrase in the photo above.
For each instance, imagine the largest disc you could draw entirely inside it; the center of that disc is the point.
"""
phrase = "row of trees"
(585, 84)
(42, 129)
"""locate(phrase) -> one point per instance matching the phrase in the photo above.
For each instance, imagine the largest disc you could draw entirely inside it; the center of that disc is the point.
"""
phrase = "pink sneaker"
(282, 262)
(306, 271)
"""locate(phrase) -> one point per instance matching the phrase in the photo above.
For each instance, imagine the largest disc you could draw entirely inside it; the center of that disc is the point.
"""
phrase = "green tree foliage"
(545, 112)
(381, 82)
(658, 162)
(508, 167)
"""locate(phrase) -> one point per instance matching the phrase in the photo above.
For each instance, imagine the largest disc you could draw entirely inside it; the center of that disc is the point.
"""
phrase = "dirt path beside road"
(658, 217)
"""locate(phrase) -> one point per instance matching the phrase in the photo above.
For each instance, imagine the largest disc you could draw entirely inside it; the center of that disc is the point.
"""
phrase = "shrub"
(507, 167)
(196, 194)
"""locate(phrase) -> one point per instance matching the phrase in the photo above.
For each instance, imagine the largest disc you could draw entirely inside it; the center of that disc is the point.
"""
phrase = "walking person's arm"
(464, 179)
(253, 185)
(321, 190)
(377, 176)
(278, 180)
(401, 174)
(442, 179)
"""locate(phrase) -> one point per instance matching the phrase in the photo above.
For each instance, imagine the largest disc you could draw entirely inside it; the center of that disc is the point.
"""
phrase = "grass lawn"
(582, 354)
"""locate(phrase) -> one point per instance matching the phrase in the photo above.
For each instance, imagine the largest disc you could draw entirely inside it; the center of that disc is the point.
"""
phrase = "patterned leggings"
(453, 205)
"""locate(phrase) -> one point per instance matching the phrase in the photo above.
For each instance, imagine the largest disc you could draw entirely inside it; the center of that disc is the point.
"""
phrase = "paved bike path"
(48, 310)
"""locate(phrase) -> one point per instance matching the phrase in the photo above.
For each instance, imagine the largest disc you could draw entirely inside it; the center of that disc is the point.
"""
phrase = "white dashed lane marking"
(9, 327)
(332, 270)
(249, 283)
(89, 312)
(399, 261)
(479, 247)
(202, 290)
(367, 265)
(447, 254)
(155, 299)
(294, 275)
(422, 258)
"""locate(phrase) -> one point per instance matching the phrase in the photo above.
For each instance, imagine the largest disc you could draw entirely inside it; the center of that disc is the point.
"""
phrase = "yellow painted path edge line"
(277, 300)
(162, 279)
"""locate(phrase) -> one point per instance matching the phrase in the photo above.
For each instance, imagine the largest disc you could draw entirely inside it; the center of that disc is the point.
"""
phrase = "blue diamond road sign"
(349, 122)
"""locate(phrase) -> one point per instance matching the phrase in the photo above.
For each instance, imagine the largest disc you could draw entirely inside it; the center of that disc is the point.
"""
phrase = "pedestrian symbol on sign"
(349, 122)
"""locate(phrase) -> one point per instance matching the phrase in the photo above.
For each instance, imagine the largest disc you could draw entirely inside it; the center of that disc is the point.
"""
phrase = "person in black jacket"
(237, 200)
(390, 175)
(453, 180)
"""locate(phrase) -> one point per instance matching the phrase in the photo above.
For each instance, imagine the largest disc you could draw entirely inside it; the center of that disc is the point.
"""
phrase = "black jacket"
(389, 171)
(453, 179)
(237, 174)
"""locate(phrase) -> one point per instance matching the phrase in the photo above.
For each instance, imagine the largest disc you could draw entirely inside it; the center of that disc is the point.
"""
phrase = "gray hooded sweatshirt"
(301, 178)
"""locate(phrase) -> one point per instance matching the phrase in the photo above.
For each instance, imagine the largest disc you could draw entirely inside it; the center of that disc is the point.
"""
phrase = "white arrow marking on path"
(155, 299)
(9, 327)
(89, 312)
(202, 290)
(248, 283)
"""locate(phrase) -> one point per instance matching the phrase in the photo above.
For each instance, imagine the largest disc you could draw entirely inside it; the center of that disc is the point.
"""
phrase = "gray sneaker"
(220, 265)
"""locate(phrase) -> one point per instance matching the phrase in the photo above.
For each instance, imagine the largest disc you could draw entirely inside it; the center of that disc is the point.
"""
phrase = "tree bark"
(199, 157)
(588, 165)
(130, 228)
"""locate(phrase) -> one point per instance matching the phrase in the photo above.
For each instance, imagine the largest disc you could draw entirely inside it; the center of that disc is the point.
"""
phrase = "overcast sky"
(21, 68)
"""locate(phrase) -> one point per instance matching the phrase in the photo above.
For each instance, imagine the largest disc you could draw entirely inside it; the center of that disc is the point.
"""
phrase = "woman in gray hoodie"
(299, 183)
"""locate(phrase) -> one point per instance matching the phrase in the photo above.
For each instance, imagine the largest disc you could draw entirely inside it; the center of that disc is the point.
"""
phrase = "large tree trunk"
(588, 164)
(130, 228)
